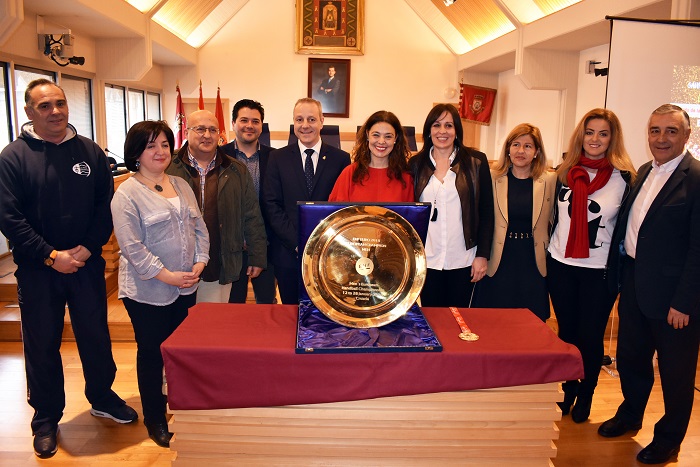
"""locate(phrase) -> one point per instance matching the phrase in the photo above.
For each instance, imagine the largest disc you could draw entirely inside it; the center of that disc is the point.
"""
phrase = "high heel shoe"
(159, 433)
(582, 409)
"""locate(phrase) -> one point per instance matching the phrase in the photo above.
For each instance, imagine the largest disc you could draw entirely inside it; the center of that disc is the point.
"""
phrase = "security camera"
(60, 49)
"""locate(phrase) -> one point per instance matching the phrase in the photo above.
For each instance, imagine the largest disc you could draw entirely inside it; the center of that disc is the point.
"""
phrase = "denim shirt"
(153, 235)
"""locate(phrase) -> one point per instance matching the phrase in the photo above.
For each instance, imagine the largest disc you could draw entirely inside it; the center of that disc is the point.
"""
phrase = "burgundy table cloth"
(232, 356)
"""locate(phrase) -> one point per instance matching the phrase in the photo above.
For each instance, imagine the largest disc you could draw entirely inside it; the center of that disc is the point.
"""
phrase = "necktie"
(309, 170)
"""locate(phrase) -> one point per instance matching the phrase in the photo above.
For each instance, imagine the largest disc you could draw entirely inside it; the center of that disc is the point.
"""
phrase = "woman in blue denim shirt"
(164, 247)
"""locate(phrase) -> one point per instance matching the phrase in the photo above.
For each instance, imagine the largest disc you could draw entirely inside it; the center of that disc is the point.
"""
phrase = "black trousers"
(152, 325)
(288, 284)
(447, 287)
(263, 285)
(582, 305)
(43, 294)
(677, 351)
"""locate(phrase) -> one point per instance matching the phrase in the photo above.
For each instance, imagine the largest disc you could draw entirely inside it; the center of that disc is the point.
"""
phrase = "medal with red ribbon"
(466, 334)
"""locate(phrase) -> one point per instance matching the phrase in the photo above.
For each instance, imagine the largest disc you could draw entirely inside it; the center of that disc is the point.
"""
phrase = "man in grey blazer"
(302, 171)
(659, 308)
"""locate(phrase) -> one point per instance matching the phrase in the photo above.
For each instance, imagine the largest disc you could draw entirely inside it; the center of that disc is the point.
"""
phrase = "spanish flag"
(220, 118)
(180, 121)
(201, 99)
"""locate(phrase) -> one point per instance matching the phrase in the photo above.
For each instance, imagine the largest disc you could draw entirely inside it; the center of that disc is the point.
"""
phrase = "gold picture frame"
(330, 27)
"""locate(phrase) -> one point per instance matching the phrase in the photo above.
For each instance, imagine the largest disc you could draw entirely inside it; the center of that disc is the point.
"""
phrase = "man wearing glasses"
(229, 203)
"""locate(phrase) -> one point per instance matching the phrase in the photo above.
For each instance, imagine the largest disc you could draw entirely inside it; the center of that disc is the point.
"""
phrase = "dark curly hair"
(398, 158)
(138, 137)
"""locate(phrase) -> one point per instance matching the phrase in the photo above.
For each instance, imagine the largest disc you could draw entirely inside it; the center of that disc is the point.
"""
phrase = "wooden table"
(240, 396)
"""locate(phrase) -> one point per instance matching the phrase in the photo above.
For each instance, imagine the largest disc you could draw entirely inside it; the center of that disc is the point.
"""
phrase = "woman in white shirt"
(593, 180)
(164, 248)
(457, 182)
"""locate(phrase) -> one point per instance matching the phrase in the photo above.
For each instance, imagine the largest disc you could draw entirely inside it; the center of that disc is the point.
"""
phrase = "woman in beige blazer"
(523, 193)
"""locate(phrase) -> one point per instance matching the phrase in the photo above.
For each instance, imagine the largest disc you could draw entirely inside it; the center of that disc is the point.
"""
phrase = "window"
(153, 106)
(5, 127)
(137, 108)
(115, 112)
(79, 97)
(124, 107)
(24, 76)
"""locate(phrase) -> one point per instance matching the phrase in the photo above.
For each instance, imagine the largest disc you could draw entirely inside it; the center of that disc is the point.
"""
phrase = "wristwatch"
(52, 257)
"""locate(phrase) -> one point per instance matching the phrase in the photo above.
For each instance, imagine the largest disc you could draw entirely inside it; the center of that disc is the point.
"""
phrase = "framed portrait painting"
(329, 83)
(330, 27)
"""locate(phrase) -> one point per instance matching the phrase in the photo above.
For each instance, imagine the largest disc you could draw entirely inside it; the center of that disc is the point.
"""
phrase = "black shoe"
(120, 414)
(159, 433)
(46, 443)
(617, 427)
(570, 391)
(582, 409)
(657, 453)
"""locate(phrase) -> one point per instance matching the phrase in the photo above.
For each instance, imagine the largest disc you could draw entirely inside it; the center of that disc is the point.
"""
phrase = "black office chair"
(330, 134)
(265, 135)
(410, 132)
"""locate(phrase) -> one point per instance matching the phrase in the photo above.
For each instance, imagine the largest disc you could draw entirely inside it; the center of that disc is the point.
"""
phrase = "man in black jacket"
(302, 171)
(56, 187)
(659, 227)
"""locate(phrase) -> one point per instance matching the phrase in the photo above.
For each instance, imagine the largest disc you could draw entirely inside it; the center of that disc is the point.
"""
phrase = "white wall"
(517, 104)
(591, 88)
(405, 68)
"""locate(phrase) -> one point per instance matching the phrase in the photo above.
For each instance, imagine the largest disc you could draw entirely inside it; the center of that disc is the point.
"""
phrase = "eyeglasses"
(202, 130)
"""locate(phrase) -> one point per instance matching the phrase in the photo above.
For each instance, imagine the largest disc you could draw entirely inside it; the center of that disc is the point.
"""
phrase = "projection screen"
(653, 63)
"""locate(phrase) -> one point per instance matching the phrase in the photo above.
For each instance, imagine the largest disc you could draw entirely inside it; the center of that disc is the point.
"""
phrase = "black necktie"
(309, 170)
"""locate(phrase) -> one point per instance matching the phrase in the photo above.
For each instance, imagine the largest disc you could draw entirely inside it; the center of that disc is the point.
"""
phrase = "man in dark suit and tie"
(330, 91)
(660, 297)
(247, 118)
(302, 171)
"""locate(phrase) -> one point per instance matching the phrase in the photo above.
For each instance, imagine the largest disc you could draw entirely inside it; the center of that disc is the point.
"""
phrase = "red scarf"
(581, 187)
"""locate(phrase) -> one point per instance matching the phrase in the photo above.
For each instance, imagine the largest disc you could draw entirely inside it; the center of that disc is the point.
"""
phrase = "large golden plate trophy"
(364, 266)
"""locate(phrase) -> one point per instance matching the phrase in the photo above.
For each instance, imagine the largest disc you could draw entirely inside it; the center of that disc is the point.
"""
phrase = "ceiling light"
(449, 2)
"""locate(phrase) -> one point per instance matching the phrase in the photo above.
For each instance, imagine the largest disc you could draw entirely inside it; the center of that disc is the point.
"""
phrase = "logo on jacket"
(81, 168)
(594, 225)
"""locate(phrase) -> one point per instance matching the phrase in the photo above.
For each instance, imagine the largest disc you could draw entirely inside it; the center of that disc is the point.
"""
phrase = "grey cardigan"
(153, 235)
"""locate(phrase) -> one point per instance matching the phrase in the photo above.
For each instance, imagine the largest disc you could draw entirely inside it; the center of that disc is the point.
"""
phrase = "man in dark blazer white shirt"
(286, 183)
(329, 91)
(659, 307)
(247, 119)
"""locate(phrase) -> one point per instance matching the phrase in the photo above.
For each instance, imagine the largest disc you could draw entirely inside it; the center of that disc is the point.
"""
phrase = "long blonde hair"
(616, 153)
(538, 164)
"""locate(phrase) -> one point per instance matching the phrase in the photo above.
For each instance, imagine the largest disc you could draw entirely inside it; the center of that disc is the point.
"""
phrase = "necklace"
(156, 185)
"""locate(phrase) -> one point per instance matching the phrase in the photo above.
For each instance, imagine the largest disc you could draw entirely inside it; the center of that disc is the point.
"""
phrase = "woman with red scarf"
(593, 180)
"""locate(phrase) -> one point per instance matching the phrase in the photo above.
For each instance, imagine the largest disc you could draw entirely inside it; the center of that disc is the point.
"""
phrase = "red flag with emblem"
(220, 118)
(476, 103)
(180, 121)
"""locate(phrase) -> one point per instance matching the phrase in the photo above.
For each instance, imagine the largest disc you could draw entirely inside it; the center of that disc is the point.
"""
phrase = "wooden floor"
(86, 440)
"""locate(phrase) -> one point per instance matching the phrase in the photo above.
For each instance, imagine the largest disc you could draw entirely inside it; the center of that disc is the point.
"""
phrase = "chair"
(410, 132)
(265, 135)
(330, 134)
